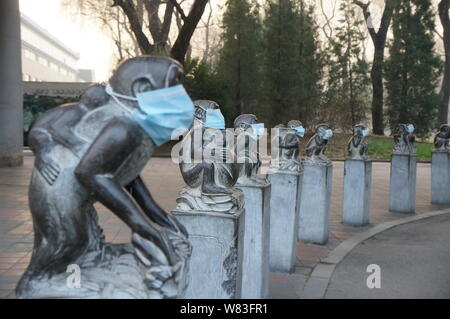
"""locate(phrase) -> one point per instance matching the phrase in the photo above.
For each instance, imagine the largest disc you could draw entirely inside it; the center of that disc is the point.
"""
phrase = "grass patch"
(380, 147)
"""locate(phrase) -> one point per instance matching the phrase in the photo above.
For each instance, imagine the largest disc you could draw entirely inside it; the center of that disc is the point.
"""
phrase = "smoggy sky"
(81, 35)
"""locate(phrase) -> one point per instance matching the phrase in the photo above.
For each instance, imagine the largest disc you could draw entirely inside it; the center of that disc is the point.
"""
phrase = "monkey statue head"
(144, 73)
(249, 123)
(357, 147)
(298, 127)
(441, 138)
(201, 108)
(404, 140)
(324, 132)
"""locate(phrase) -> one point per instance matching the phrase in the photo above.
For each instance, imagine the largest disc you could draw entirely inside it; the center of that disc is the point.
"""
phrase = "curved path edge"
(317, 284)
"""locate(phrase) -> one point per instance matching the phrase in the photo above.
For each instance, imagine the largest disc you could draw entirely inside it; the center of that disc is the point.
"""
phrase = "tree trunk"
(377, 91)
(181, 45)
(445, 88)
(379, 42)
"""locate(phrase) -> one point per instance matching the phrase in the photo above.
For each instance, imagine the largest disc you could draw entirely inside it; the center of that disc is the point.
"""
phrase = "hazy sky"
(95, 47)
(78, 34)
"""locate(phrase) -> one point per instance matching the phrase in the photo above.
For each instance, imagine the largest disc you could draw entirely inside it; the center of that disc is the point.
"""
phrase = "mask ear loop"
(114, 95)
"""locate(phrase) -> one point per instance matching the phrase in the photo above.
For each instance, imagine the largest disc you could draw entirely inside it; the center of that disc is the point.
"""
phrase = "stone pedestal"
(284, 208)
(402, 191)
(255, 273)
(315, 203)
(357, 185)
(217, 250)
(440, 178)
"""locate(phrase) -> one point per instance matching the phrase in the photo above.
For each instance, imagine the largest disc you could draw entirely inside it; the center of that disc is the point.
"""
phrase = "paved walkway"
(413, 258)
(164, 180)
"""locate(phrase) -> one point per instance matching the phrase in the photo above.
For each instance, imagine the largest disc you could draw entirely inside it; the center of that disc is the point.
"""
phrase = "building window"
(53, 66)
(43, 61)
(30, 55)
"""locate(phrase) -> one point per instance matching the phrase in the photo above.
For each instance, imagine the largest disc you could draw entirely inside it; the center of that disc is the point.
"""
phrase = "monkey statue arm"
(40, 142)
(138, 190)
(95, 171)
(290, 141)
(62, 128)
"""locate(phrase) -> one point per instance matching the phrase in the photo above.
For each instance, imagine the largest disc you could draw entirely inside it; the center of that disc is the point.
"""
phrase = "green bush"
(35, 105)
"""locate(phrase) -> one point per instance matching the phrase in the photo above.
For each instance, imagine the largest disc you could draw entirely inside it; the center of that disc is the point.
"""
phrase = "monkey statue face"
(297, 126)
(360, 130)
(324, 131)
(248, 123)
(441, 138)
(201, 108)
(444, 131)
(245, 121)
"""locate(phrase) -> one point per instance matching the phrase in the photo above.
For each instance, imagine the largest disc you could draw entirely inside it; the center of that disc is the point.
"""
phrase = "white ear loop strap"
(114, 95)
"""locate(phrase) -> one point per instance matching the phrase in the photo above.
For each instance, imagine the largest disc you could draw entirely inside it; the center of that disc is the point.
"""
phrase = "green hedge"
(35, 105)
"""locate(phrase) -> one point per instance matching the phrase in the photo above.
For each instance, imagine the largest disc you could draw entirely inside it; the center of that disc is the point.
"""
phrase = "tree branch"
(181, 45)
(130, 11)
(179, 9)
(367, 17)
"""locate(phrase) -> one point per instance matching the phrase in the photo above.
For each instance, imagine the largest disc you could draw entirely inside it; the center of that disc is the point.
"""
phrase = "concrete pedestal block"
(402, 191)
(217, 250)
(440, 178)
(357, 185)
(315, 203)
(284, 208)
(255, 272)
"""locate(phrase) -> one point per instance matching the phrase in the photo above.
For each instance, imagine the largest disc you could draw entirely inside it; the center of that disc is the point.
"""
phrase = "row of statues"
(94, 151)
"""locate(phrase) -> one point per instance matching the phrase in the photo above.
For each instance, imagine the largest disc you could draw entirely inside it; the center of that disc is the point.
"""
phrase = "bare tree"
(327, 27)
(443, 8)
(148, 22)
(379, 42)
(112, 20)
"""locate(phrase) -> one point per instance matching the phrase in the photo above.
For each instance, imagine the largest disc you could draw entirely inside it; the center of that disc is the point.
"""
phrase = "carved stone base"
(440, 178)
(284, 208)
(315, 203)
(402, 191)
(255, 275)
(357, 185)
(217, 250)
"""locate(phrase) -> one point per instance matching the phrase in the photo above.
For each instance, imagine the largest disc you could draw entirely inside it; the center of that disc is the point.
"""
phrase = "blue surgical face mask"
(257, 130)
(365, 133)
(300, 131)
(328, 134)
(160, 112)
(410, 128)
(214, 119)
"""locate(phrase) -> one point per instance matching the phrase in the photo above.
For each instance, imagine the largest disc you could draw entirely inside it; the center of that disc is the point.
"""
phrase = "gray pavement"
(414, 262)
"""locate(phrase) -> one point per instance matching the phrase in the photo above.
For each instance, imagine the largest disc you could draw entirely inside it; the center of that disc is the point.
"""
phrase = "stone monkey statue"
(289, 146)
(204, 173)
(248, 156)
(315, 149)
(102, 162)
(404, 140)
(441, 138)
(357, 146)
(209, 181)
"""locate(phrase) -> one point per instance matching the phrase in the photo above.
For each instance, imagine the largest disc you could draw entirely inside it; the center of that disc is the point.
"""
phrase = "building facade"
(46, 59)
